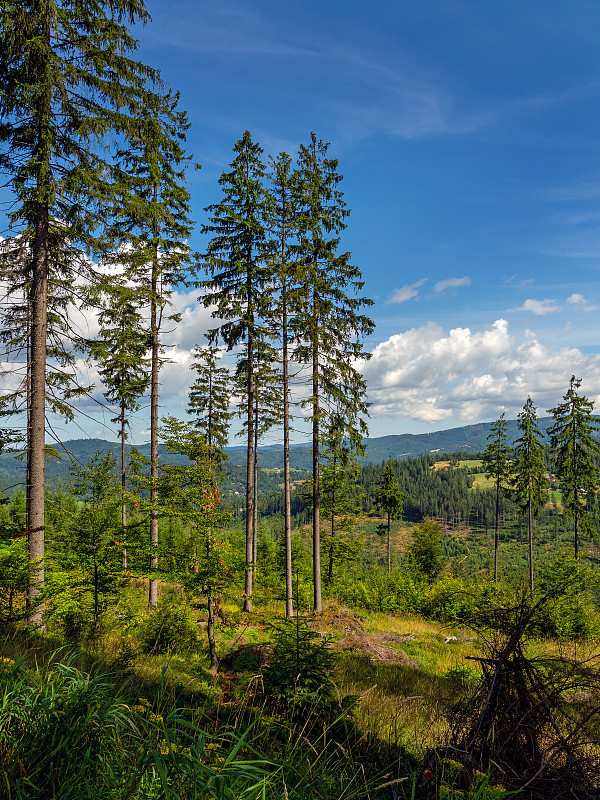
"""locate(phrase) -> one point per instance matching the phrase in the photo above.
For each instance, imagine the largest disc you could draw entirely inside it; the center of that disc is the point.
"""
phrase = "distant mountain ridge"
(470, 438)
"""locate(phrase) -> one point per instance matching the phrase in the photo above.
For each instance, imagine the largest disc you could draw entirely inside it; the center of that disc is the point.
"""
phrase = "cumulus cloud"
(430, 374)
(451, 283)
(539, 307)
(406, 292)
(581, 302)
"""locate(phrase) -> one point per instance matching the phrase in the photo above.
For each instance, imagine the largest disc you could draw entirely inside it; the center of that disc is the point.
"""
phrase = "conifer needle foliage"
(575, 450)
(69, 84)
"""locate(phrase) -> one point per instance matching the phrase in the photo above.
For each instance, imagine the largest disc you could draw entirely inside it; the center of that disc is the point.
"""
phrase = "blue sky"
(468, 137)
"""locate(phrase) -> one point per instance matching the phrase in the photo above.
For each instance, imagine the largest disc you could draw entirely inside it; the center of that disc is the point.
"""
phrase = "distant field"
(481, 482)
(468, 464)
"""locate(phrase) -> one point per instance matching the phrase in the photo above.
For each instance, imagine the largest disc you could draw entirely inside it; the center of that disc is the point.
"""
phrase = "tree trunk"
(123, 481)
(330, 569)
(255, 495)
(96, 586)
(496, 531)
(389, 551)
(153, 582)
(530, 526)
(248, 581)
(210, 631)
(316, 487)
(39, 325)
(37, 417)
(287, 524)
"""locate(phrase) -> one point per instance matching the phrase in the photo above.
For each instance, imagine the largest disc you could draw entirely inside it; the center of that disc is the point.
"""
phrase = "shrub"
(170, 626)
(572, 611)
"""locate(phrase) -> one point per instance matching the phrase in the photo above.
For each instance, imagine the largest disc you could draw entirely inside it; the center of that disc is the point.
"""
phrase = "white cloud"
(538, 307)
(406, 292)
(581, 302)
(430, 374)
(451, 283)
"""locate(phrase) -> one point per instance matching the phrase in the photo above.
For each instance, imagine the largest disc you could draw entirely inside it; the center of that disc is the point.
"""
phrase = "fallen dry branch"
(527, 722)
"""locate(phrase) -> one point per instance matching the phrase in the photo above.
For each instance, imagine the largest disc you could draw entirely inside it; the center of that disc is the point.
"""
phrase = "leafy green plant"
(169, 627)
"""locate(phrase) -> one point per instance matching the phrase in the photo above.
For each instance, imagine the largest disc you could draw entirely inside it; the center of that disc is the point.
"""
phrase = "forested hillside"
(471, 438)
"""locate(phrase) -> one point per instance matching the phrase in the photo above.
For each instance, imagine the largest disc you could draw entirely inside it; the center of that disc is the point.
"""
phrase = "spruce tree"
(235, 261)
(283, 225)
(189, 492)
(496, 461)
(528, 478)
(389, 498)
(340, 498)
(267, 409)
(121, 352)
(328, 327)
(150, 228)
(68, 83)
(209, 399)
(575, 450)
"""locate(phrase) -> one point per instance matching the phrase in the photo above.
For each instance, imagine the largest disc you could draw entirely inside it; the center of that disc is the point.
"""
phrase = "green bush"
(170, 627)
(572, 611)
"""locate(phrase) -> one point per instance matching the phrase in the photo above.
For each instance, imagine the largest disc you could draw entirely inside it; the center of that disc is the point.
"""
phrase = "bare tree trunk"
(37, 416)
(123, 482)
(287, 524)
(153, 582)
(318, 606)
(248, 582)
(210, 630)
(496, 531)
(389, 552)
(530, 525)
(255, 501)
(39, 326)
(331, 540)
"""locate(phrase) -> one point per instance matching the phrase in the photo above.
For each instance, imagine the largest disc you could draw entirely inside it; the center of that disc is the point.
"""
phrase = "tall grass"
(67, 734)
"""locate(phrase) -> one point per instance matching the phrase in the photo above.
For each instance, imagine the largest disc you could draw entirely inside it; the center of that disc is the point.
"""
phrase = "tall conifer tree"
(575, 450)
(67, 81)
(121, 352)
(267, 409)
(209, 399)
(328, 326)
(340, 498)
(151, 228)
(528, 480)
(496, 460)
(235, 261)
(283, 225)
(389, 498)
